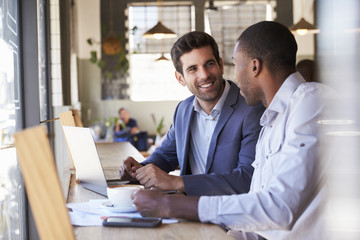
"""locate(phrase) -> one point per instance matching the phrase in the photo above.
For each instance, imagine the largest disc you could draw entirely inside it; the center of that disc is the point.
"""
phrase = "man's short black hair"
(272, 43)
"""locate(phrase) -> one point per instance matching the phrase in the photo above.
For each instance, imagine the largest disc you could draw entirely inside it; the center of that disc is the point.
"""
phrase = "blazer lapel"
(185, 137)
(226, 112)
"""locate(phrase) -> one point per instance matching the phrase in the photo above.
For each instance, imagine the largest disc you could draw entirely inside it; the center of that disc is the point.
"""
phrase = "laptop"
(86, 159)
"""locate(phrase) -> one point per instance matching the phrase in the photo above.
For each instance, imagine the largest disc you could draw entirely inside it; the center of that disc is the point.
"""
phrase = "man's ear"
(221, 64)
(180, 78)
(256, 67)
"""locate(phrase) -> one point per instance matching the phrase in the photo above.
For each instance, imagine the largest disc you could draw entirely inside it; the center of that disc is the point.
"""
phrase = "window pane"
(148, 77)
(176, 18)
(158, 83)
(11, 188)
(227, 22)
(42, 60)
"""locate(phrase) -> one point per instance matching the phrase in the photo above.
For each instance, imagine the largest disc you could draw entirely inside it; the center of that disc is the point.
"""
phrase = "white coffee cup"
(120, 195)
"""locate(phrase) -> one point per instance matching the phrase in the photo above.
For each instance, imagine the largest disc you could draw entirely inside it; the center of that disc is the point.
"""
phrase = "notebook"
(86, 159)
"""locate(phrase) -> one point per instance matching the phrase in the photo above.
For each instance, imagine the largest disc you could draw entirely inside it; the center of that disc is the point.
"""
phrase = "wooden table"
(111, 155)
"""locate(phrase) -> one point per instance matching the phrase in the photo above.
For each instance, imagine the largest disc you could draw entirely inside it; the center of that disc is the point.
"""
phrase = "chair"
(42, 184)
(139, 140)
(71, 118)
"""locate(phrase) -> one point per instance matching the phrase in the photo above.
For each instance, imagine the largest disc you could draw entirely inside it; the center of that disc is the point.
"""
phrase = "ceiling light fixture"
(112, 44)
(211, 6)
(303, 27)
(159, 31)
(162, 58)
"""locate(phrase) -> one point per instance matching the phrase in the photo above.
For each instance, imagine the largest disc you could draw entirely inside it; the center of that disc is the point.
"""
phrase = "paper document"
(92, 213)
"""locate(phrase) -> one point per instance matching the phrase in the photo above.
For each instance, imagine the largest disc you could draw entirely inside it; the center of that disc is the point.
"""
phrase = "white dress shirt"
(202, 129)
(286, 194)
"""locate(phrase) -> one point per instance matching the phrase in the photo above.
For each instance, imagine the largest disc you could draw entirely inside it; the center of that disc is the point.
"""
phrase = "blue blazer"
(231, 151)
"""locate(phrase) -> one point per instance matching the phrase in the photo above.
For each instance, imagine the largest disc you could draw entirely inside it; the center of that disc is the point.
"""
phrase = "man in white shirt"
(286, 192)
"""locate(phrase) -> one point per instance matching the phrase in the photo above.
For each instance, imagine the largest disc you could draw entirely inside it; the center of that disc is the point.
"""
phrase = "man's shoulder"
(132, 122)
(319, 90)
(186, 102)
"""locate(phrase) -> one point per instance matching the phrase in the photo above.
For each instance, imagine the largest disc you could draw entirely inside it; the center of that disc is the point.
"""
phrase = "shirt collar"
(217, 108)
(282, 97)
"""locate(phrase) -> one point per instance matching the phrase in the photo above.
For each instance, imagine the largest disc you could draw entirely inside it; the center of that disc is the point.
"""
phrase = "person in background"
(213, 134)
(307, 69)
(287, 192)
(125, 127)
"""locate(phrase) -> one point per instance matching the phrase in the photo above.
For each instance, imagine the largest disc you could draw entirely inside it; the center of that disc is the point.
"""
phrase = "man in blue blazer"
(214, 132)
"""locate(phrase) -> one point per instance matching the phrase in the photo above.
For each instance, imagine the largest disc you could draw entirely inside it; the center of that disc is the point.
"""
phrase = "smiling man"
(213, 134)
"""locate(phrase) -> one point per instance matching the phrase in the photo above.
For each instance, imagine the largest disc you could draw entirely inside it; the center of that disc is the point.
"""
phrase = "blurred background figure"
(127, 130)
(306, 68)
(126, 123)
(125, 126)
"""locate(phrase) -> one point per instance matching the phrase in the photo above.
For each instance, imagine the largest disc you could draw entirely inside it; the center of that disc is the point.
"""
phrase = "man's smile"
(206, 85)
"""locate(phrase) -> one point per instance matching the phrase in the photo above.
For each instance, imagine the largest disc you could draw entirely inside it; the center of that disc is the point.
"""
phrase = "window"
(159, 82)
(229, 20)
(55, 52)
(12, 192)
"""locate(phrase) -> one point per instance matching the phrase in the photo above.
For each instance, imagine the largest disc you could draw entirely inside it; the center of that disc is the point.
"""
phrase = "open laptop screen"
(86, 158)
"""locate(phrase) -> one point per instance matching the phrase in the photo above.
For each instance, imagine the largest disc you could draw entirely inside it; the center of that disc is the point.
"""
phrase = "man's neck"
(273, 86)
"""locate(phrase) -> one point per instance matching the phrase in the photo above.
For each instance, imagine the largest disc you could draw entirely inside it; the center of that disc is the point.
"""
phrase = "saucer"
(108, 205)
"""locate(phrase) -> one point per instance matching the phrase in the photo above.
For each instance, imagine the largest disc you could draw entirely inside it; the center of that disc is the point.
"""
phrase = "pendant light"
(112, 44)
(159, 31)
(303, 27)
(162, 58)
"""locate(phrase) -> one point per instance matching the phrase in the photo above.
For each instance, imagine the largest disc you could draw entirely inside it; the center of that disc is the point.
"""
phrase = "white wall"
(88, 17)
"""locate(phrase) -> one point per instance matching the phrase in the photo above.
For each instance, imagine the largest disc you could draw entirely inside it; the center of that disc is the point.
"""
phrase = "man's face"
(202, 74)
(124, 115)
(243, 74)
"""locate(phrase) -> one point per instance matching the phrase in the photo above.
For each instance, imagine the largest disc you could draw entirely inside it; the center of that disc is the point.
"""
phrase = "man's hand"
(151, 203)
(152, 176)
(154, 203)
(128, 169)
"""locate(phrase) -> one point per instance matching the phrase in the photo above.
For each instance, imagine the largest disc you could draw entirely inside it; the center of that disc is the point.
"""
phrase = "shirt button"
(267, 156)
